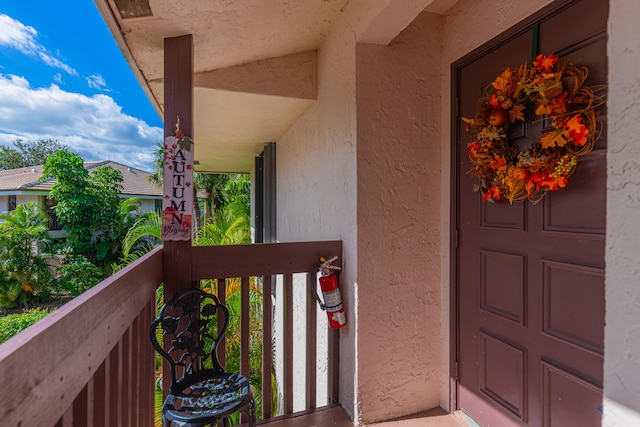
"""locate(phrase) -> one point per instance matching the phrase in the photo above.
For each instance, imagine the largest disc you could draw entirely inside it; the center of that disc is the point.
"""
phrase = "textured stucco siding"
(26, 198)
(622, 277)
(398, 153)
(370, 163)
(316, 182)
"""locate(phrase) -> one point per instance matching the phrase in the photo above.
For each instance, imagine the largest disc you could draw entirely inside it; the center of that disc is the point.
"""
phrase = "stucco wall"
(398, 152)
(622, 277)
(317, 174)
(346, 165)
(26, 198)
(316, 182)
(147, 205)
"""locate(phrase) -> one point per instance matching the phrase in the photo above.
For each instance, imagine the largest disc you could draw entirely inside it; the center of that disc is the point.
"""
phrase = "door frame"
(505, 37)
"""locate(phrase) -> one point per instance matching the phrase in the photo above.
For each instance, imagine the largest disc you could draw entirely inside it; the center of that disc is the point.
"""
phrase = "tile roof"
(27, 179)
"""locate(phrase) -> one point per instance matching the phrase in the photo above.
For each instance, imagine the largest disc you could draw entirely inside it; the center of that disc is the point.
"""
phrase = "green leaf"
(185, 143)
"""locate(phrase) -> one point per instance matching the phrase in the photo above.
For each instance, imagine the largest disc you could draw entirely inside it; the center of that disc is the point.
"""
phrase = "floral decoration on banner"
(556, 89)
(177, 203)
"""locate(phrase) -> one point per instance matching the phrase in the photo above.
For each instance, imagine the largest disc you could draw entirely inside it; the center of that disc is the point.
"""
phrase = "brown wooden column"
(178, 101)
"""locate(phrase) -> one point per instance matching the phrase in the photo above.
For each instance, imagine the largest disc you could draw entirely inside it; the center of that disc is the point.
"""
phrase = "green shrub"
(11, 324)
(78, 274)
(24, 273)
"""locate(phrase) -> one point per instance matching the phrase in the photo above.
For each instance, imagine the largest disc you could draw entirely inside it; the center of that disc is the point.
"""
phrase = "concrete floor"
(437, 417)
(336, 417)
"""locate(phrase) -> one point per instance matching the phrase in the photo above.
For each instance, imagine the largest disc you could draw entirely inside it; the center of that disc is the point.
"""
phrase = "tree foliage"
(78, 275)
(89, 207)
(238, 194)
(24, 272)
(28, 153)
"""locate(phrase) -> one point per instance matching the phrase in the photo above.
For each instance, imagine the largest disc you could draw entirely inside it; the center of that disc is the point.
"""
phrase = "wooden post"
(178, 102)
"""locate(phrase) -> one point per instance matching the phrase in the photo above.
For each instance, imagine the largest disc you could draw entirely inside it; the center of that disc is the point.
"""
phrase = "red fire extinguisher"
(331, 293)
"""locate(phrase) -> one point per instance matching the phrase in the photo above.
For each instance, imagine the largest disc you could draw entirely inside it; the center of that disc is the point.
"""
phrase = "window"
(49, 204)
(12, 203)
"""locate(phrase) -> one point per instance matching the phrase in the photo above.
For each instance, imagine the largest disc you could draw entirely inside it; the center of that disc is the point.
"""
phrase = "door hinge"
(456, 370)
(456, 238)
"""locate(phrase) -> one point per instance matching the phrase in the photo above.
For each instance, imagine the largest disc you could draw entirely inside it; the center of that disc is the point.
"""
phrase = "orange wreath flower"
(556, 89)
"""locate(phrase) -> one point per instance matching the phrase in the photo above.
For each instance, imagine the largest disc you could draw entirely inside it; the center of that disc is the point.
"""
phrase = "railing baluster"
(244, 328)
(244, 332)
(99, 396)
(311, 344)
(149, 367)
(267, 346)
(222, 346)
(125, 378)
(288, 343)
(67, 418)
(333, 368)
(114, 383)
(80, 403)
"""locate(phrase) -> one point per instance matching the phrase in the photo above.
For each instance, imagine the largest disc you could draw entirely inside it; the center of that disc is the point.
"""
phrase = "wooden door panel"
(502, 285)
(502, 373)
(531, 277)
(499, 215)
(571, 308)
(588, 183)
(567, 399)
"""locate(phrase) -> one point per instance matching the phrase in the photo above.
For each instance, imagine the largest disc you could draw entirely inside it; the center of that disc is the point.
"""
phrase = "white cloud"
(16, 35)
(95, 127)
(96, 81)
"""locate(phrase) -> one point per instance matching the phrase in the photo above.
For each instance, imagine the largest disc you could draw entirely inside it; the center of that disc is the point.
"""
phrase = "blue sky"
(62, 76)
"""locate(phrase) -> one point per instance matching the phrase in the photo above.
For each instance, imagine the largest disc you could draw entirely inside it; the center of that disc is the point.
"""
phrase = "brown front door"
(530, 278)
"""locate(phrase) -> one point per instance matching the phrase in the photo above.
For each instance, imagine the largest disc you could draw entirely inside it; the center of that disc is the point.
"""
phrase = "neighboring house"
(23, 185)
(504, 312)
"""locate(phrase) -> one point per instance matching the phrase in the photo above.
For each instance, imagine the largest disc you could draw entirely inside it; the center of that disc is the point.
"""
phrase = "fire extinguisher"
(331, 293)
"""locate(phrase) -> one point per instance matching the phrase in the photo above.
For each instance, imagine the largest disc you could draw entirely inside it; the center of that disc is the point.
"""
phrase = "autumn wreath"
(556, 89)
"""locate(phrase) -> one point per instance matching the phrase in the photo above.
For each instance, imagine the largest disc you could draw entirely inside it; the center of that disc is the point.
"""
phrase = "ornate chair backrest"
(189, 324)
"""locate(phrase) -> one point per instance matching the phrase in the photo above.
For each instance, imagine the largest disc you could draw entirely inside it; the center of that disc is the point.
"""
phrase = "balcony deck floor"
(337, 417)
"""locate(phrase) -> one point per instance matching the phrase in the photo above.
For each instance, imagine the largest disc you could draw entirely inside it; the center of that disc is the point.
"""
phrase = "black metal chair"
(201, 392)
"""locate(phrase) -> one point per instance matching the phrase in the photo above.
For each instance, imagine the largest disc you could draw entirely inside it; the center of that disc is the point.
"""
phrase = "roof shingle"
(134, 180)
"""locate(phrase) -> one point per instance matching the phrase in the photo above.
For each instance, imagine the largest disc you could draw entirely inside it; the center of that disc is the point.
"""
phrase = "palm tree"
(226, 228)
(213, 186)
(144, 235)
(157, 176)
(147, 228)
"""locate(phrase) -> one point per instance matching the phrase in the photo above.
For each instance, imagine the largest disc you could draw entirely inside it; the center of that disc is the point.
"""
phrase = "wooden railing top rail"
(261, 259)
(44, 367)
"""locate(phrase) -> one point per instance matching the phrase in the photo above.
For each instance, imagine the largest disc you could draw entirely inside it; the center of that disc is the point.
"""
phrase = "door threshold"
(468, 421)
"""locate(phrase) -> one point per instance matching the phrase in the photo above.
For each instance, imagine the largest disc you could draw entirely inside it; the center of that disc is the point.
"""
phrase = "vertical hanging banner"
(177, 202)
